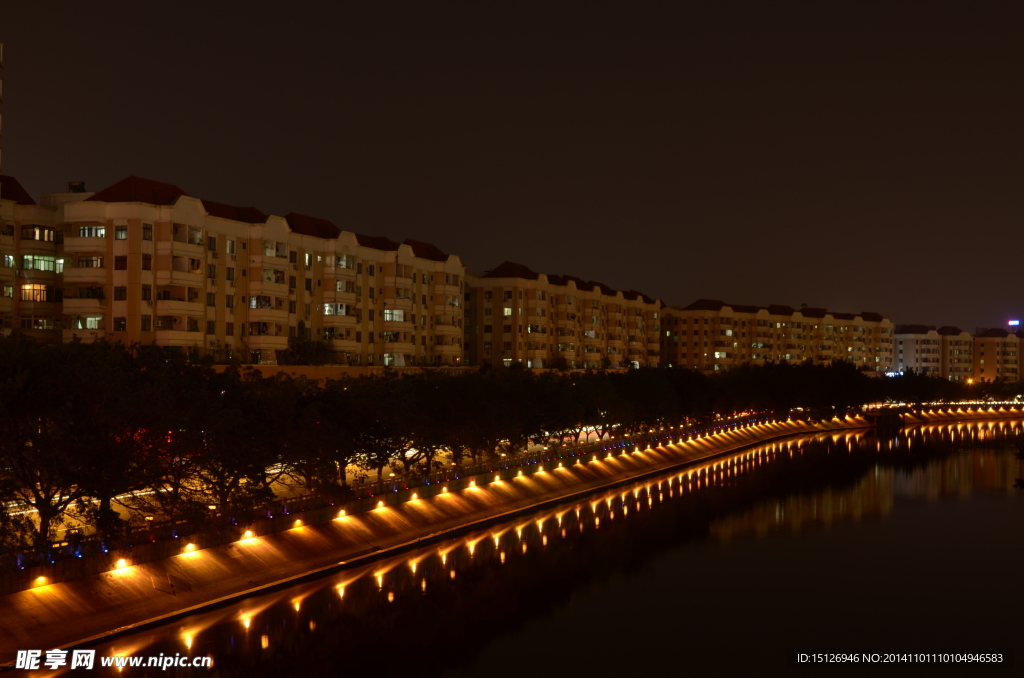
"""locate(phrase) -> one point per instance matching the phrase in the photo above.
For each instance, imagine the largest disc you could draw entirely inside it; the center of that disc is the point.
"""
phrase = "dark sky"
(850, 155)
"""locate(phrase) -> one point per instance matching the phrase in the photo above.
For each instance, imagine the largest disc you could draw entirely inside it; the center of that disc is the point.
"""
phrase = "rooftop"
(10, 189)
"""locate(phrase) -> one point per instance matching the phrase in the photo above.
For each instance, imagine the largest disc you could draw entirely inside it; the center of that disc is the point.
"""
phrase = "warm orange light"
(121, 562)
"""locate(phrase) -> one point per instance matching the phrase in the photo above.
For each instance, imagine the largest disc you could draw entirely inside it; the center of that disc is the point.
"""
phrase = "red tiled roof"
(813, 312)
(377, 242)
(559, 280)
(137, 189)
(10, 189)
(581, 284)
(605, 290)
(314, 226)
(248, 215)
(705, 305)
(641, 295)
(993, 332)
(779, 309)
(509, 269)
(871, 316)
(425, 250)
(744, 309)
(914, 329)
(843, 316)
(950, 331)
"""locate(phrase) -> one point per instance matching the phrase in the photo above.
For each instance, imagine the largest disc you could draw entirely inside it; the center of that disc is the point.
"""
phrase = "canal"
(855, 540)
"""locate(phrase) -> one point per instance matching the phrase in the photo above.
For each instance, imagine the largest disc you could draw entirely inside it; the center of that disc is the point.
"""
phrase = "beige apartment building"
(997, 354)
(31, 260)
(946, 352)
(144, 262)
(515, 315)
(710, 335)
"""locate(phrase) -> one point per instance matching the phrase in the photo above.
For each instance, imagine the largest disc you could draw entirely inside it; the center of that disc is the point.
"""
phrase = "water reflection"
(436, 604)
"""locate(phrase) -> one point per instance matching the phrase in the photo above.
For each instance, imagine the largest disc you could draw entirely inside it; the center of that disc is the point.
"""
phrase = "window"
(211, 271)
(147, 262)
(211, 298)
(291, 307)
(7, 260)
(147, 323)
(121, 263)
(369, 270)
(229, 328)
(293, 257)
(211, 327)
(229, 273)
(120, 294)
(229, 246)
(9, 291)
(309, 284)
(291, 282)
(394, 315)
(90, 262)
(488, 329)
(309, 261)
(85, 232)
(147, 232)
(273, 275)
(334, 309)
(38, 233)
(147, 293)
(31, 262)
(211, 243)
(120, 232)
(346, 261)
(507, 311)
(229, 302)
(261, 301)
(120, 324)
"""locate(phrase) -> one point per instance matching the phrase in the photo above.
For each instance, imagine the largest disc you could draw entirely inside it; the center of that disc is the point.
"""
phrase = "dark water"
(846, 540)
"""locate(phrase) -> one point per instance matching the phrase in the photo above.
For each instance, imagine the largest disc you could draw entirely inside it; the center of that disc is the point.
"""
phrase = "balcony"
(268, 315)
(177, 277)
(74, 306)
(86, 336)
(178, 338)
(76, 245)
(261, 342)
(84, 275)
(178, 307)
(343, 321)
(180, 249)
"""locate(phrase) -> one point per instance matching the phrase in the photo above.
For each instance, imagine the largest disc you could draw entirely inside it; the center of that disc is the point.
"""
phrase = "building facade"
(515, 315)
(710, 335)
(996, 354)
(143, 262)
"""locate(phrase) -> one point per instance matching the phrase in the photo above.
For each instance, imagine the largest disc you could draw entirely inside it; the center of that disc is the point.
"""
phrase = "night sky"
(850, 155)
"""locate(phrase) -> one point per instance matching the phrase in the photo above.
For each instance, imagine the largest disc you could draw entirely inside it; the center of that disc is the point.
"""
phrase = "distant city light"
(1014, 322)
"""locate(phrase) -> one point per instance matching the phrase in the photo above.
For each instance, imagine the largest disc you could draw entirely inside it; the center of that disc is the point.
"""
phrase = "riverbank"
(77, 612)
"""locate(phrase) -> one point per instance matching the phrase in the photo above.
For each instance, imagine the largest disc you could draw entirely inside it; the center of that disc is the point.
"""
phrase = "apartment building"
(515, 315)
(957, 353)
(31, 259)
(997, 354)
(710, 335)
(143, 262)
(918, 350)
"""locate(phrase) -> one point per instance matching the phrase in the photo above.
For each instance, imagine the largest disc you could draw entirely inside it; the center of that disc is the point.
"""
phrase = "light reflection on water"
(411, 605)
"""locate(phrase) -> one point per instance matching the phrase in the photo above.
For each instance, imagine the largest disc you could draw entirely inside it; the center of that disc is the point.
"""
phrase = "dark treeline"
(90, 433)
